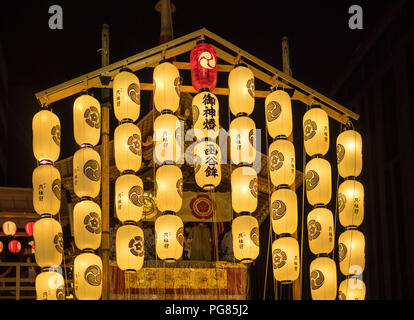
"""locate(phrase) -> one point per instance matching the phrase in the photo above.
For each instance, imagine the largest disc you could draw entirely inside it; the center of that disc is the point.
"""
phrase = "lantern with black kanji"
(282, 162)
(207, 166)
(166, 82)
(285, 259)
(205, 111)
(129, 197)
(127, 147)
(87, 120)
(50, 285)
(279, 114)
(321, 234)
(127, 96)
(46, 189)
(316, 132)
(244, 189)
(203, 61)
(129, 247)
(323, 279)
(168, 147)
(245, 232)
(242, 141)
(351, 203)
(241, 90)
(46, 136)
(169, 237)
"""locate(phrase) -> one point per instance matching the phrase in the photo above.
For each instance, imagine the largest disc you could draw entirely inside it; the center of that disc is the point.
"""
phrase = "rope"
(64, 264)
(336, 204)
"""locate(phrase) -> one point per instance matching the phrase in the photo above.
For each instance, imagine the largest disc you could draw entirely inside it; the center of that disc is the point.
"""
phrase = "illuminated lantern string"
(203, 60)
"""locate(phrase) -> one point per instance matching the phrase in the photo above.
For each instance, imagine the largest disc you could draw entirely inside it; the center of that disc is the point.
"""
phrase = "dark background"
(321, 47)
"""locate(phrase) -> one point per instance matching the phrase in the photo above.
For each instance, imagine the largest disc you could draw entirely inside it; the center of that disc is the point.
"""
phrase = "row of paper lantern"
(10, 228)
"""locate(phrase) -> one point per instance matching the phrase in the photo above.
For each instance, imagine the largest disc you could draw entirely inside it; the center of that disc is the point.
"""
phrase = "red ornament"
(202, 207)
(15, 246)
(29, 228)
(203, 60)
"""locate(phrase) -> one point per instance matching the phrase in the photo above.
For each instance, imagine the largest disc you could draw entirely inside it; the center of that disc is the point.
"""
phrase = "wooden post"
(105, 170)
(296, 286)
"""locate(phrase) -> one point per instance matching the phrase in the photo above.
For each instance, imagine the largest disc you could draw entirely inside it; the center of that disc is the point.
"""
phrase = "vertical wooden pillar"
(105, 170)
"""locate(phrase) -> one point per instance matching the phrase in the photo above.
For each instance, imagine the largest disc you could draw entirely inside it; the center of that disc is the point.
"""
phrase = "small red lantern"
(1, 247)
(9, 228)
(203, 60)
(15, 246)
(29, 228)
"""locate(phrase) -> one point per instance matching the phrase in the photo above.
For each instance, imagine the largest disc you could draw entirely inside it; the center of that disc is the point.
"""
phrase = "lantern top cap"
(240, 64)
(125, 69)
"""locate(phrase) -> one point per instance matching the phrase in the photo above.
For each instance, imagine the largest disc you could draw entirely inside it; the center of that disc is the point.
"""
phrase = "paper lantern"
(32, 245)
(321, 233)
(48, 237)
(318, 181)
(46, 136)
(241, 91)
(351, 203)
(129, 197)
(129, 248)
(87, 120)
(87, 275)
(352, 289)
(168, 138)
(87, 225)
(9, 228)
(127, 147)
(169, 237)
(284, 211)
(242, 141)
(166, 81)
(46, 189)
(316, 132)
(244, 189)
(1, 247)
(127, 96)
(282, 162)
(86, 173)
(203, 61)
(323, 279)
(50, 285)
(15, 246)
(205, 111)
(349, 153)
(351, 250)
(245, 232)
(29, 228)
(285, 259)
(169, 188)
(207, 166)
(279, 114)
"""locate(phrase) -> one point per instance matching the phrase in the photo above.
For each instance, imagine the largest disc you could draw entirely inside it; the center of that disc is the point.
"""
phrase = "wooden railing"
(15, 287)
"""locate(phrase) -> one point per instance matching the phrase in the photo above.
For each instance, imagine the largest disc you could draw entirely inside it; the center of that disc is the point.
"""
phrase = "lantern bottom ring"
(208, 187)
(170, 260)
(130, 271)
(246, 260)
(286, 282)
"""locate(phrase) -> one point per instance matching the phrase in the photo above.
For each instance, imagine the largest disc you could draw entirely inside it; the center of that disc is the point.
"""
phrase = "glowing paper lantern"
(48, 236)
(285, 259)
(87, 275)
(87, 120)
(46, 189)
(1, 247)
(351, 250)
(316, 132)
(127, 96)
(29, 228)
(169, 188)
(279, 114)
(15, 246)
(351, 203)
(205, 111)
(242, 141)
(129, 248)
(282, 162)
(166, 81)
(87, 225)
(9, 228)
(169, 237)
(244, 189)
(46, 136)
(245, 232)
(129, 197)
(168, 138)
(241, 90)
(321, 231)
(323, 279)
(207, 166)
(50, 286)
(318, 181)
(349, 153)
(352, 289)
(284, 211)
(86, 173)
(203, 61)
(127, 147)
